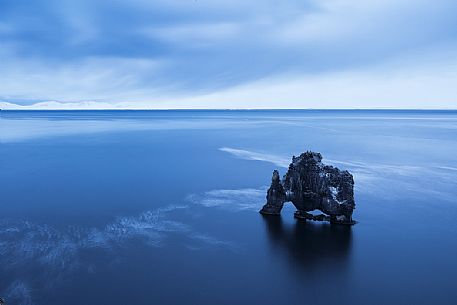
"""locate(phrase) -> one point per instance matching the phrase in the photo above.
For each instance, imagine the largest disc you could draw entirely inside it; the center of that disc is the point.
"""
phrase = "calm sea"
(161, 207)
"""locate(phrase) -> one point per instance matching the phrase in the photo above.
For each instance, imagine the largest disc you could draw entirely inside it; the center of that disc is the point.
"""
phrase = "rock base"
(322, 217)
(268, 211)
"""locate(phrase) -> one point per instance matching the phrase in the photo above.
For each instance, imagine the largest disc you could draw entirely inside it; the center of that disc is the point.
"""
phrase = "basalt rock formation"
(310, 185)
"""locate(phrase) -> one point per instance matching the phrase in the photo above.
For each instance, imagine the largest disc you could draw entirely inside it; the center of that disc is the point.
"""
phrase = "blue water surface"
(161, 207)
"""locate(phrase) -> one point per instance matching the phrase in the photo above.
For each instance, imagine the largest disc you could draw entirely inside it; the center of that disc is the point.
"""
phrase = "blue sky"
(228, 54)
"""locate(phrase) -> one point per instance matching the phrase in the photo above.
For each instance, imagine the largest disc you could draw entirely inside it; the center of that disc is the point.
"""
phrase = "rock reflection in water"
(309, 246)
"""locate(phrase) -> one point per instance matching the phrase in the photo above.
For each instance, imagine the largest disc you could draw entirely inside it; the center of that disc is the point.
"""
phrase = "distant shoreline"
(239, 110)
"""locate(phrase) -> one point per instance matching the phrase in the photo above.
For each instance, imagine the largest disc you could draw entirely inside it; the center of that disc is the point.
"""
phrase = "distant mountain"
(53, 105)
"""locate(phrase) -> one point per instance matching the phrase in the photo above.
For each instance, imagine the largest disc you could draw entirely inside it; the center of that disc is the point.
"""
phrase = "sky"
(166, 54)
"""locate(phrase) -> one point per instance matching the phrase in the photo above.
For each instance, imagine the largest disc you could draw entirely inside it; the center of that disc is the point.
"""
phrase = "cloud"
(230, 54)
(400, 83)
(396, 84)
(102, 79)
(196, 35)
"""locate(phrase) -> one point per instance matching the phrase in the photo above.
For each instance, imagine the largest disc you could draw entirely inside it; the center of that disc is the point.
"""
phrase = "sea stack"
(310, 185)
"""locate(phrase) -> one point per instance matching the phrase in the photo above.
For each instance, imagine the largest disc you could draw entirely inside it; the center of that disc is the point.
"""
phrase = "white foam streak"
(370, 177)
(23, 241)
(19, 293)
(232, 200)
(250, 155)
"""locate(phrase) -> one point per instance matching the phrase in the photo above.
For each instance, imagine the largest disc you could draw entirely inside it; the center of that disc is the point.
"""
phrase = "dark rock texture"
(310, 185)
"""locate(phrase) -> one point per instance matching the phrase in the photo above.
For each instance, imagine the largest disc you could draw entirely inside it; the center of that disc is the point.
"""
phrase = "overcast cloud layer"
(228, 54)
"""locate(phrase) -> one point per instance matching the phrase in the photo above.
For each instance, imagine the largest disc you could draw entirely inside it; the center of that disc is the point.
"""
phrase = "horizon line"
(232, 109)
